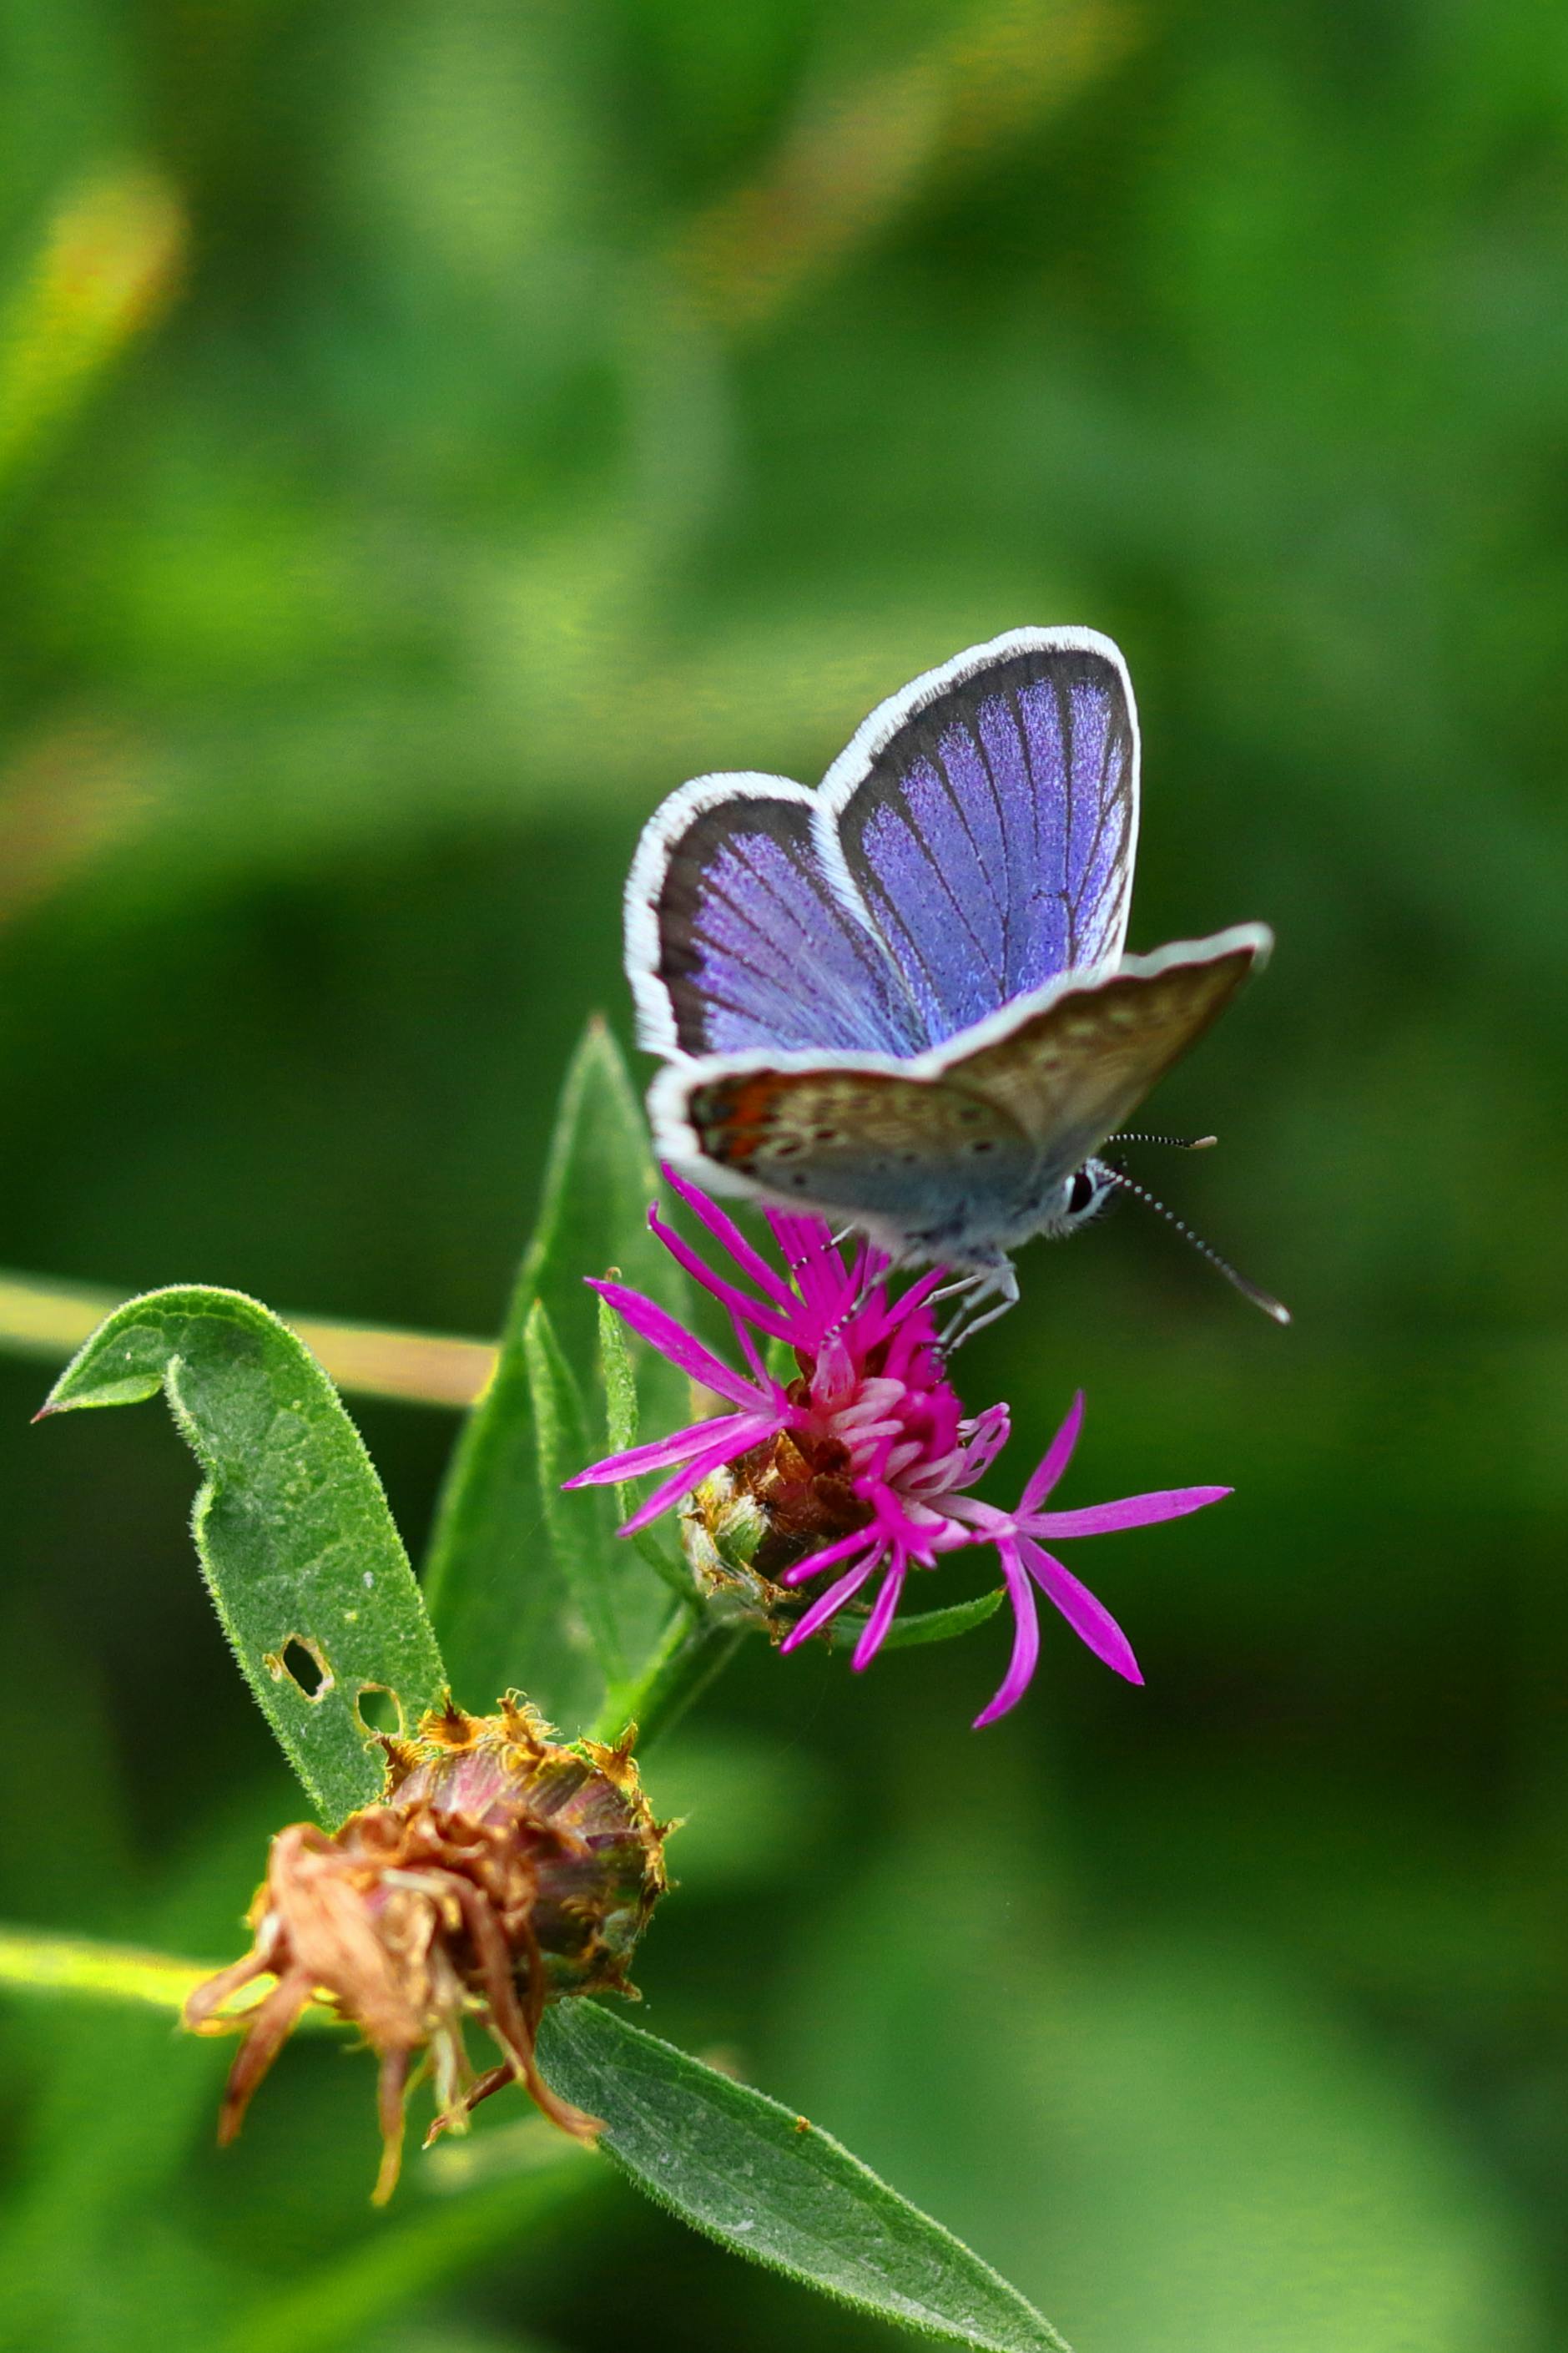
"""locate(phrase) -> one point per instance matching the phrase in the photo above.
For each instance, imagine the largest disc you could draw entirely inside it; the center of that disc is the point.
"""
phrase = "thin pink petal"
(725, 1229)
(881, 1618)
(828, 1556)
(908, 1303)
(660, 1453)
(1090, 1621)
(823, 1608)
(1026, 1639)
(750, 1350)
(1055, 1458)
(1131, 1512)
(988, 1436)
(816, 1269)
(738, 1302)
(672, 1340)
(971, 1512)
(744, 1432)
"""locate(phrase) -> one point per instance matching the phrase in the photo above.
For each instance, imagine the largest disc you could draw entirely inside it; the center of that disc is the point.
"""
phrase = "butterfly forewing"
(989, 826)
(736, 937)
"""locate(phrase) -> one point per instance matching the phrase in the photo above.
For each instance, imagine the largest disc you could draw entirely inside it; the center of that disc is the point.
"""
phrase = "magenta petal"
(750, 1350)
(1055, 1458)
(987, 1437)
(1026, 1639)
(881, 1618)
(743, 1431)
(725, 1231)
(828, 1556)
(738, 1302)
(823, 1608)
(816, 1271)
(1131, 1512)
(919, 1293)
(1090, 1621)
(661, 1453)
(672, 1340)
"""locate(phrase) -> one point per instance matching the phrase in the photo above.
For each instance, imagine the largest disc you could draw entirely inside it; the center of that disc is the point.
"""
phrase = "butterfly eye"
(1082, 1193)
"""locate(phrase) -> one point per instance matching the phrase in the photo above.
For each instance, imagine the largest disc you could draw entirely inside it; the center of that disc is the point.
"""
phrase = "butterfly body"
(902, 1000)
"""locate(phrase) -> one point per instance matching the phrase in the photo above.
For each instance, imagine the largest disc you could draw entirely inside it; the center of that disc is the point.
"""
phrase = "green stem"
(51, 1320)
(691, 1653)
(76, 1965)
(373, 2285)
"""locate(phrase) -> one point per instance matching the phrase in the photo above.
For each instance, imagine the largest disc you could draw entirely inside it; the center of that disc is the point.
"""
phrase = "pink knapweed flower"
(869, 1445)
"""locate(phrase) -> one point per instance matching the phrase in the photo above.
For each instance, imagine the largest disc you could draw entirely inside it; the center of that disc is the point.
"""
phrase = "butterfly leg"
(973, 1288)
(979, 1322)
(960, 1287)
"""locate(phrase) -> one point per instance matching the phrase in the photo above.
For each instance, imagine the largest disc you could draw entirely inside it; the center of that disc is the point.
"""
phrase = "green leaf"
(621, 1425)
(292, 1527)
(499, 1593)
(769, 2186)
(579, 1526)
(923, 1625)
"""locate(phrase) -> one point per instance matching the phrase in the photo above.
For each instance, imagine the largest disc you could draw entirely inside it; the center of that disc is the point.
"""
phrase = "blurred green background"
(429, 431)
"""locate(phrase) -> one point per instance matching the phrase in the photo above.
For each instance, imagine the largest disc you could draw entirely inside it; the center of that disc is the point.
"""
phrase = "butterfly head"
(1084, 1194)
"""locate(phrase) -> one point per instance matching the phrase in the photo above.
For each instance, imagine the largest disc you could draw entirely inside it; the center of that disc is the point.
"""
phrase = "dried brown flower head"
(499, 1871)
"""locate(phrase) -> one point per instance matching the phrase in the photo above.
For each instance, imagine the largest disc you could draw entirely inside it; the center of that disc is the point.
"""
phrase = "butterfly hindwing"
(964, 1149)
(867, 1143)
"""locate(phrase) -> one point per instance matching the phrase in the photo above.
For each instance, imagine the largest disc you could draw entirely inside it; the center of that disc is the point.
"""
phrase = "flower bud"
(499, 1871)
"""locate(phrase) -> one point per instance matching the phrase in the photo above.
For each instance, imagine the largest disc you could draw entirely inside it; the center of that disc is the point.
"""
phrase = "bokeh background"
(429, 429)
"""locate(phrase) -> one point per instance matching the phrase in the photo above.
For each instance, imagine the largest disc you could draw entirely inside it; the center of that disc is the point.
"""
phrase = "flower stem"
(76, 1965)
(691, 1653)
(51, 1320)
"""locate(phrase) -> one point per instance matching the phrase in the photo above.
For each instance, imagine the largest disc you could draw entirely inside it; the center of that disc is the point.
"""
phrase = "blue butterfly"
(900, 1001)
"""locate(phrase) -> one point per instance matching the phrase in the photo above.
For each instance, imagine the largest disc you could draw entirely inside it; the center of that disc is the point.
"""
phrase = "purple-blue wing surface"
(749, 943)
(990, 825)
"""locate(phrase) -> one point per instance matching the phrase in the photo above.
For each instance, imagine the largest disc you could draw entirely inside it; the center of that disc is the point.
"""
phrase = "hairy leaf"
(579, 1526)
(934, 1624)
(311, 1581)
(773, 2187)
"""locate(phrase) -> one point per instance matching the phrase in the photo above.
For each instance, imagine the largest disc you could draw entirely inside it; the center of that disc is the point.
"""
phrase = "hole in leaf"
(379, 1710)
(303, 1663)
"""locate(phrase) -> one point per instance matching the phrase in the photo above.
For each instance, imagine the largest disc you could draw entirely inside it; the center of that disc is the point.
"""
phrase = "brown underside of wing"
(1059, 1084)
(1084, 1063)
(751, 1120)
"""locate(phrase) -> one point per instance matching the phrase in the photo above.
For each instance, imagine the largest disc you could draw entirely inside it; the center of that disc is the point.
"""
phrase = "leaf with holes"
(501, 1592)
(773, 2187)
(298, 1547)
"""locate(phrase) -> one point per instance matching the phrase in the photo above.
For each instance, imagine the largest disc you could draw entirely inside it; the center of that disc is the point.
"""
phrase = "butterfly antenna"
(1177, 1143)
(1205, 1249)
